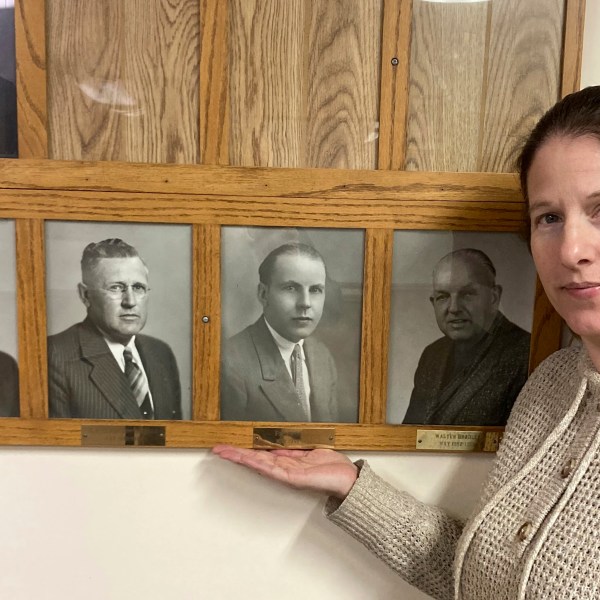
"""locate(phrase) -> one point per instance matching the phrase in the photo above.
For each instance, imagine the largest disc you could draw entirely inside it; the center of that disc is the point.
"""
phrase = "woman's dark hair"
(576, 115)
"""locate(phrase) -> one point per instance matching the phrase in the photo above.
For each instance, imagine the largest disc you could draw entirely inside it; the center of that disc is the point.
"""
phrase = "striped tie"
(138, 384)
(299, 380)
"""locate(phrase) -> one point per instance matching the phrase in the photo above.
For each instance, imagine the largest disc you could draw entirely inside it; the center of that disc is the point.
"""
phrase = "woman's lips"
(584, 289)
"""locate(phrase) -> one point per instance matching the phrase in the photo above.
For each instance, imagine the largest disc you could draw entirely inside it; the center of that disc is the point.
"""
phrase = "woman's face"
(564, 197)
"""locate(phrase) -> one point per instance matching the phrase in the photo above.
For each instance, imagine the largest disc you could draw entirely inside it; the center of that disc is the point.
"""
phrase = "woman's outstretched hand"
(321, 470)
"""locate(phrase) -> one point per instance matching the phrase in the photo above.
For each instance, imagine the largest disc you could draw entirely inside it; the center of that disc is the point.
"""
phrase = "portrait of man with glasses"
(104, 367)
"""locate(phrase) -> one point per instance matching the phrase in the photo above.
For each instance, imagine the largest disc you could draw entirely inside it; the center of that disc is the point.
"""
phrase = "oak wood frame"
(208, 197)
(378, 201)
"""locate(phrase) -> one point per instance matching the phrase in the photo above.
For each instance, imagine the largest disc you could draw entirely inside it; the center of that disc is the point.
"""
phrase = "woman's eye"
(548, 219)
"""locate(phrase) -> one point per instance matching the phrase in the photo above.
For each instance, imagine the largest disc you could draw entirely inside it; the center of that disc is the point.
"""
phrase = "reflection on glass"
(8, 94)
(9, 379)
(479, 70)
(460, 321)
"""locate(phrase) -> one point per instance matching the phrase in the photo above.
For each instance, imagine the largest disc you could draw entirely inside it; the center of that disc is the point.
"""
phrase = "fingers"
(233, 453)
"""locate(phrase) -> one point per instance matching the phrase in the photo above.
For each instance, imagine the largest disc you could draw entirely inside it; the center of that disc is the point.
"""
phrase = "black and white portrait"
(8, 93)
(462, 306)
(119, 320)
(291, 323)
(9, 375)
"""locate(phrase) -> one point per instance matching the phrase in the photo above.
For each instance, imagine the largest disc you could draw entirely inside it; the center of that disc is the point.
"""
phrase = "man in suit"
(9, 386)
(473, 374)
(103, 368)
(273, 370)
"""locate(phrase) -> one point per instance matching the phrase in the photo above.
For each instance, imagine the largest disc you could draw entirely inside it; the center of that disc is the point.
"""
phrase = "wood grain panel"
(342, 51)
(207, 335)
(522, 78)
(393, 101)
(123, 80)
(30, 41)
(448, 55)
(303, 82)
(214, 82)
(207, 181)
(376, 325)
(31, 317)
(572, 46)
(267, 87)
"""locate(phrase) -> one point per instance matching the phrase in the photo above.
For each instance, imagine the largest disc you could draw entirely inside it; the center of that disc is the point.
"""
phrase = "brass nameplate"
(301, 438)
(458, 441)
(122, 435)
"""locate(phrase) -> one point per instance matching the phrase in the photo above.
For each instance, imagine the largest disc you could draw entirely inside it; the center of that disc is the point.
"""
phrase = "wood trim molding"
(214, 83)
(572, 46)
(32, 112)
(393, 103)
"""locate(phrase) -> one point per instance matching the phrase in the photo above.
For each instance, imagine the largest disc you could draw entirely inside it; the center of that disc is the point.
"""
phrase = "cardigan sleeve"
(416, 540)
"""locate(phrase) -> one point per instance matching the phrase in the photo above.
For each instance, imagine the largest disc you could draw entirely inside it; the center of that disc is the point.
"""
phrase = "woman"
(534, 533)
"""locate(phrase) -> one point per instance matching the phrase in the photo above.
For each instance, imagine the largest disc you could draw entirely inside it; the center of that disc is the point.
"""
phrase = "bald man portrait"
(275, 370)
(473, 374)
(103, 367)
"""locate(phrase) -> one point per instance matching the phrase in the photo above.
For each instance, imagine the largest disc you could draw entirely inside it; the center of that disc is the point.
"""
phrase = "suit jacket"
(8, 118)
(86, 381)
(256, 385)
(9, 386)
(484, 392)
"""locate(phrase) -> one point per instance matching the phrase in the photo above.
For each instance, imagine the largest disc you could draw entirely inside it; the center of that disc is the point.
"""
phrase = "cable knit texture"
(535, 531)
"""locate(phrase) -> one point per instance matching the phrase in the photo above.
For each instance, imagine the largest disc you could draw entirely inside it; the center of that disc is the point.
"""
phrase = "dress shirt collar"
(285, 346)
(117, 351)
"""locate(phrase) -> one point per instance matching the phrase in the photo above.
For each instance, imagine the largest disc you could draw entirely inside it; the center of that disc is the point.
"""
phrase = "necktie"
(298, 375)
(138, 384)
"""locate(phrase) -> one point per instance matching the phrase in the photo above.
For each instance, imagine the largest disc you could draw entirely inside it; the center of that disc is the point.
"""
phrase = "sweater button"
(567, 468)
(524, 531)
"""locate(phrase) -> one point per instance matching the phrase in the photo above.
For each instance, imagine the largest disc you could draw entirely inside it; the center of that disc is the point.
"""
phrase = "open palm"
(321, 470)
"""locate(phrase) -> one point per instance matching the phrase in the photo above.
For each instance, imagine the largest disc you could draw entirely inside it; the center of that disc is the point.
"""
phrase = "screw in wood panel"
(205, 319)
(395, 62)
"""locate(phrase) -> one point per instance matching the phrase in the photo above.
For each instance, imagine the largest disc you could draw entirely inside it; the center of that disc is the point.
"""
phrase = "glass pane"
(460, 327)
(123, 80)
(8, 93)
(304, 83)
(282, 287)
(9, 380)
(481, 75)
(95, 309)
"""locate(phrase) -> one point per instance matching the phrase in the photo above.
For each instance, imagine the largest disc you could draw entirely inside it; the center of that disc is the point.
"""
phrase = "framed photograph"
(8, 90)
(460, 335)
(112, 286)
(9, 373)
(345, 275)
(291, 321)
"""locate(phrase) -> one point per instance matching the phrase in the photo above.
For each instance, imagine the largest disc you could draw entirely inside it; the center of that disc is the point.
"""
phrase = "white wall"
(181, 525)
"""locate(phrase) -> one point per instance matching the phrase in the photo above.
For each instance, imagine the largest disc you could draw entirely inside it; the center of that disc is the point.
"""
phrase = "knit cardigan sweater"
(535, 533)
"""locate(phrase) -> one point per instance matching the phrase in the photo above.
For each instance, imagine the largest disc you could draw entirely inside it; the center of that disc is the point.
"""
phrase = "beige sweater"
(536, 531)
